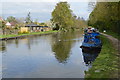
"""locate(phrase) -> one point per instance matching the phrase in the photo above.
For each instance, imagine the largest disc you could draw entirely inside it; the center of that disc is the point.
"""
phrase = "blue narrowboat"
(91, 40)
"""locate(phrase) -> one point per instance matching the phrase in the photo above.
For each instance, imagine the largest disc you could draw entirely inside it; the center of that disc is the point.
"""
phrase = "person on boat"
(91, 35)
(91, 38)
(87, 35)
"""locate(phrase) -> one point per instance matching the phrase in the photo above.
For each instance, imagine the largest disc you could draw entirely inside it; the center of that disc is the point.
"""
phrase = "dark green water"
(49, 56)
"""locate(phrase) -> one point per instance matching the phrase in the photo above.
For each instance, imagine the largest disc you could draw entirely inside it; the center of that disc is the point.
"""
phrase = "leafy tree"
(105, 16)
(2, 26)
(42, 23)
(36, 22)
(62, 16)
(11, 19)
(64, 19)
(20, 20)
(78, 22)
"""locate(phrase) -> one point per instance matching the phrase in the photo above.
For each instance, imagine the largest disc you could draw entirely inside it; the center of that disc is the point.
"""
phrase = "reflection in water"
(61, 47)
(2, 46)
(17, 43)
(62, 50)
(90, 55)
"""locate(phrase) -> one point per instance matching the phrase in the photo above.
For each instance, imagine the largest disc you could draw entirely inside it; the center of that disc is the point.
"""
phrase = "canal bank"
(14, 36)
(106, 64)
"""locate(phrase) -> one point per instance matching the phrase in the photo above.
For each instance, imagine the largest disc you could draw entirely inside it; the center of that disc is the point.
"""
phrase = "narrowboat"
(91, 40)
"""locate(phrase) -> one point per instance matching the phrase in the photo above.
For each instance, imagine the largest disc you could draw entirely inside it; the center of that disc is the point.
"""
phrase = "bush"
(24, 32)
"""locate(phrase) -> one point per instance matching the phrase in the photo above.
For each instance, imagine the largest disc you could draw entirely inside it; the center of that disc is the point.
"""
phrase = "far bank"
(15, 36)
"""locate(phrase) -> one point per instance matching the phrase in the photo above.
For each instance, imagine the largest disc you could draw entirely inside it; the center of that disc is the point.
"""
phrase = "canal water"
(55, 55)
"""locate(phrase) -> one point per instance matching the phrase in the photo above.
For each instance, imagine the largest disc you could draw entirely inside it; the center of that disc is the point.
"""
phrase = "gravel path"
(116, 42)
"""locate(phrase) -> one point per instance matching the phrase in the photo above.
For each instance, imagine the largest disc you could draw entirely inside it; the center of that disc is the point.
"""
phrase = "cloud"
(21, 9)
(40, 10)
(24, 7)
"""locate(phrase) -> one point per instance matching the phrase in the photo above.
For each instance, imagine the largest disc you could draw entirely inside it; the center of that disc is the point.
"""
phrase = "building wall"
(35, 29)
(47, 29)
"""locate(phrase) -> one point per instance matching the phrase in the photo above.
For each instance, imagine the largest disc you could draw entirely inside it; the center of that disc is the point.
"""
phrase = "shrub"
(24, 32)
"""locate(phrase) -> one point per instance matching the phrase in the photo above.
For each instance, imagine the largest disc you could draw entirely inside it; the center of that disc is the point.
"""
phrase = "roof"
(8, 24)
(13, 23)
(32, 25)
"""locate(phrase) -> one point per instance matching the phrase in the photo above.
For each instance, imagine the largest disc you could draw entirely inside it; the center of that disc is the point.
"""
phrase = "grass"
(33, 33)
(106, 63)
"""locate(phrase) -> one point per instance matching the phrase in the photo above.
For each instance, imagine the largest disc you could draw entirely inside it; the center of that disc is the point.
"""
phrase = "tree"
(62, 16)
(105, 16)
(91, 6)
(36, 22)
(20, 20)
(79, 23)
(11, 19)
(42, 23)
(2, 26)
(28, 18)
(64, 19)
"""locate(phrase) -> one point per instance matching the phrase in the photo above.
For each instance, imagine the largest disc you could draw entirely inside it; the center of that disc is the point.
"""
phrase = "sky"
(40, 9)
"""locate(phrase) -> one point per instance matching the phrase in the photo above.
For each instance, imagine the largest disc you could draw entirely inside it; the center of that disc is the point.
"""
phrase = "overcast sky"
(41, 10)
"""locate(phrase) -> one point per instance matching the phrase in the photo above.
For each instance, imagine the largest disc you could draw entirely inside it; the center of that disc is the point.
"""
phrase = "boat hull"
(91, 47)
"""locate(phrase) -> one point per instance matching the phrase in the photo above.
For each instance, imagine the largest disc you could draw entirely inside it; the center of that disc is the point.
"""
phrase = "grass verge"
(106, 64)
(33, 33)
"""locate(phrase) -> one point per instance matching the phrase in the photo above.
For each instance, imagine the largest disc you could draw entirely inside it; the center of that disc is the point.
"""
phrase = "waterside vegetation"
(105, 16)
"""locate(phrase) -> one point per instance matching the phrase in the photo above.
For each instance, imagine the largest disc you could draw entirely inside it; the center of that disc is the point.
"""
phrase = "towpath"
(115, 41)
